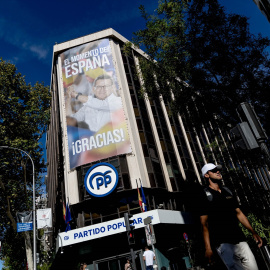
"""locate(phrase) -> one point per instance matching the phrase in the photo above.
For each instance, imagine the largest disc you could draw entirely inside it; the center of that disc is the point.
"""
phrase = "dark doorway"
(118, 262)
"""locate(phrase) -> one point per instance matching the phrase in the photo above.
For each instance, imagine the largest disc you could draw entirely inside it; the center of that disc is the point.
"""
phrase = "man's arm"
(73, 94)
(154, 256)
(70, 93)
(244, 221)
(206, 238)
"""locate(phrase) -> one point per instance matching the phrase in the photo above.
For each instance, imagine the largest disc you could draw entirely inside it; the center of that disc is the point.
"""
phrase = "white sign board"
(44, 218)
(118, 226)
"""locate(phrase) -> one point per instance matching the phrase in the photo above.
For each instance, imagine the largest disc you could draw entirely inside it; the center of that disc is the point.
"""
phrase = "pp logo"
(101, 179)
(66, 238)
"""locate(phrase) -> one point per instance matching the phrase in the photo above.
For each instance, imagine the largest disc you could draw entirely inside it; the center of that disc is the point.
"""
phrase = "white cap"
(210, 166)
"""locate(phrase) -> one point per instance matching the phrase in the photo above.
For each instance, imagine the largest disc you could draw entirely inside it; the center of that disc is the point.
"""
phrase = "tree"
(23, 120)
(196, 42)
(200, 53)
(164, 40)
(229, 65)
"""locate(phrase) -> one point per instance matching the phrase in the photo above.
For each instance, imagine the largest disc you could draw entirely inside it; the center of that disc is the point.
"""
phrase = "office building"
(102, 152)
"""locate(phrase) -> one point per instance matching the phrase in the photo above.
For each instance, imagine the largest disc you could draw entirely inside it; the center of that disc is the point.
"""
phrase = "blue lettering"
(102, 229)
(99, 182)
(140, 220)
(107, 180)
(120, 224)
(80, 235)
(97, 231)
(101, 178)
(85, 233)
(109, 227)
(75, 235)
(114, 226)
(90, 231)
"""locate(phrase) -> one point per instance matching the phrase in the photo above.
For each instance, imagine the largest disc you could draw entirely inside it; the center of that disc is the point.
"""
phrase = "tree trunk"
(28, 250)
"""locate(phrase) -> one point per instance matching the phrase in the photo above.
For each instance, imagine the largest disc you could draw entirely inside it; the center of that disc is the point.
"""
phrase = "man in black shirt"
(220, 216)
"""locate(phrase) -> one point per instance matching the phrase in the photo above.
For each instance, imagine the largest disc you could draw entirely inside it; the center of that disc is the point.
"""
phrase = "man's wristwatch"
(78, 95)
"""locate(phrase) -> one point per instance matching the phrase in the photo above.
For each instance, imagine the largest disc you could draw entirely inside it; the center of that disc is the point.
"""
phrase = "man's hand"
(243, 219)
(258, 239)
(209, 255)
(71, 93)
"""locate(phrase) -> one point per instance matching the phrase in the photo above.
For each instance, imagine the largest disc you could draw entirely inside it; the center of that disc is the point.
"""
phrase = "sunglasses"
(214, 170)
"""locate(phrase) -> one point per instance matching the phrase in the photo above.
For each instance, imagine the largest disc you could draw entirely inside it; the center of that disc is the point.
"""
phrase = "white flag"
(44, 218)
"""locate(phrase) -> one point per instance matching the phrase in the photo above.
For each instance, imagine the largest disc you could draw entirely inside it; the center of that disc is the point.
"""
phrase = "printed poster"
(44, 218)
(96, 125)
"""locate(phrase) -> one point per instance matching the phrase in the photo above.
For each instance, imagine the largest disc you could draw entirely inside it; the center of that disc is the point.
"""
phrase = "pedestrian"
(128, 265)
(83, 266)
(149, 257)
(220, 216)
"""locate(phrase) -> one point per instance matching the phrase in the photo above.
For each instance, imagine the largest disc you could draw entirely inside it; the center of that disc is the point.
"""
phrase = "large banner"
(96, 124)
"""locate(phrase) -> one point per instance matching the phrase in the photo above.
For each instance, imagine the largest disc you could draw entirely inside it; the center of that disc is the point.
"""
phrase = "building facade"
(150, 148)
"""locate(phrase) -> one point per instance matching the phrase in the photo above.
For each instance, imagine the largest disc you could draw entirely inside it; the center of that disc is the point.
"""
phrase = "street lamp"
(34, 205)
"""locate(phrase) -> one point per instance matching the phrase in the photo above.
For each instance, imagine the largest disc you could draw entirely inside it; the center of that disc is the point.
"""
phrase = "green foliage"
(46, 254)
(262, 229)
(229, 64)
(196, 42)
(24, 108)
(164, 41)
(44, 266)
(23, 120)
(211, 63)
(13, 253)
(128, 48)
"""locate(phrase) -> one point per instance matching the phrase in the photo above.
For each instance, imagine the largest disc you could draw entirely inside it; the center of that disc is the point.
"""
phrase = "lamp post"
(34, 205)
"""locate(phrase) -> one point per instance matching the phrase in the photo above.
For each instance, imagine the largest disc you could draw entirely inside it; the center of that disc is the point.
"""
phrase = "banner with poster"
(150, 234)
(96, 125)
(44, 218)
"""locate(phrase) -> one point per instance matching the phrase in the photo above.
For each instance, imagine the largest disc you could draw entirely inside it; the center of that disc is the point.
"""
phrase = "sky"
(29, 29)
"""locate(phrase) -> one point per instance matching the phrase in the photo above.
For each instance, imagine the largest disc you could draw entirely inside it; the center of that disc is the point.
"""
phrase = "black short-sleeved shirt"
(222, 220)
